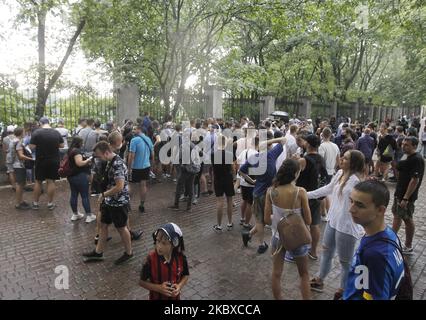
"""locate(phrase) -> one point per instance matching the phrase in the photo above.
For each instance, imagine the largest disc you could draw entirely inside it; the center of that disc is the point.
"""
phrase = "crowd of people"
(292, 176)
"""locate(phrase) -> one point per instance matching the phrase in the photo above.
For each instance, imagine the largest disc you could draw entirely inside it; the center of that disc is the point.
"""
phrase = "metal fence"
(242, 107)
(192, 106)
(291, 107)
(18, 107)
(320, 110)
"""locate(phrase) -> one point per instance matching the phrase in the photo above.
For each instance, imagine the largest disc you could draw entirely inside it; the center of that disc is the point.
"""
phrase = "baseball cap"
(173, 232)
(313, 140)
(44, 120)
(10, 128)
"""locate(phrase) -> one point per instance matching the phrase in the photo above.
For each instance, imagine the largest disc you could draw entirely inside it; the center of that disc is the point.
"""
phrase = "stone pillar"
(267, 107)
(379, 114)
(355, 112)
(127, 102)
(306, 108)
(215, 103)
(334, 109)
(370, 112)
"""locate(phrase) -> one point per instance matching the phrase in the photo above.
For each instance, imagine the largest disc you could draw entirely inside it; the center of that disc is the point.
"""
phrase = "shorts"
(297, 253)
(9, 168)
(401, 213)
(247, 194)
(116, 215)
(314, 205)
(224, 187)
(21, 175)
(139, 175)
(259, 208)
(47, 169)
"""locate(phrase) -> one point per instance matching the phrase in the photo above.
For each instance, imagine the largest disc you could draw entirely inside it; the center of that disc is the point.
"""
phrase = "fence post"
(267, 107)
(370, 112)
(306, 108)
(355, 111)
(334, 109)
(127, 102)
(215, 103)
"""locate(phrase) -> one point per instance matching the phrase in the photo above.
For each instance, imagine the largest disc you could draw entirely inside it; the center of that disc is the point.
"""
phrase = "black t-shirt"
(47, 141)
(315, 170)
(223, 167)
(385, 142)
(76, 169)
(412, 167)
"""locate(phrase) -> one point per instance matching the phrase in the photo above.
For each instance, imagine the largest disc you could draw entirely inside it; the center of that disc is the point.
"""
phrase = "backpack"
(65, 169)
(405, 291)
(28, 164)
(389, 152)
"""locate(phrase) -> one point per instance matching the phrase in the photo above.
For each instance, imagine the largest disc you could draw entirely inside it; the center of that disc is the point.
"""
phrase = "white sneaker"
(90, 218)
(407, 251)
(77, 216)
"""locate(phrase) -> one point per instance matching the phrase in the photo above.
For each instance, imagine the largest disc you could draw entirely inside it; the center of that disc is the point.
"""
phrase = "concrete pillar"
(267, 107)
(370, 112)
(306, 108)
(128, 102)
(334, 109)
(215, 103)
(355, 110)
(379, 114)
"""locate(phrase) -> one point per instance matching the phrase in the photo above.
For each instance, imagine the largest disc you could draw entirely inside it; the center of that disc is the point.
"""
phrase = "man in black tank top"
(313, 171)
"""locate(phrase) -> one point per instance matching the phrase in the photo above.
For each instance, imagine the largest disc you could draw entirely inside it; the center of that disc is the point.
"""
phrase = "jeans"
(185, 183)
(79, 184)
(345, 245)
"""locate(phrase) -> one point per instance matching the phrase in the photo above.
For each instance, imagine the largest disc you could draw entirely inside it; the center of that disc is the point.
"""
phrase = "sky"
(18, 51)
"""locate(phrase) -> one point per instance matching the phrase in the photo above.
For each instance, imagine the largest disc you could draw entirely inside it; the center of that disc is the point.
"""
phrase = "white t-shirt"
(243, 157)
(291, 145)
(329, 151)
(64, 134)
(281, 158)
(243, 144)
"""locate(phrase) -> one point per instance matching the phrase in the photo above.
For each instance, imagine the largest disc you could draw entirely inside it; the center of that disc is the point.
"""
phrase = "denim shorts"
(299, 252)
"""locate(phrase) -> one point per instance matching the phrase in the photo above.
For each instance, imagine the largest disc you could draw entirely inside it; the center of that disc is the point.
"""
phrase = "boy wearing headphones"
(165, 270)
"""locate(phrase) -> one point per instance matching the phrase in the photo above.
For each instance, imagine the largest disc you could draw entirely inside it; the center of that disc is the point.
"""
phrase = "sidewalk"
(34, 243)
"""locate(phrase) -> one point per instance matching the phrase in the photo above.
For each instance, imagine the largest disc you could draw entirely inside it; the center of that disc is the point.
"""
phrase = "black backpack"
(405, 291)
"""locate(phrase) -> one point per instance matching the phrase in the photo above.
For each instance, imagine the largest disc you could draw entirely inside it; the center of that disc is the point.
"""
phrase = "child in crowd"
(165, 269)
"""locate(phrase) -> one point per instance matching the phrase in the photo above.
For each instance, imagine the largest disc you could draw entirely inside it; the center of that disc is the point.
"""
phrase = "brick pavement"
(33, 243)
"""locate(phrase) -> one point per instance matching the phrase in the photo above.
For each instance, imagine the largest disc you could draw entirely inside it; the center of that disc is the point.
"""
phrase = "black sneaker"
(247, 226)
(262, 248)
(141, 209)
(23, 206)
(93, 256)
(136, 235)
(124, 258)
(246, 238)
(28, 189)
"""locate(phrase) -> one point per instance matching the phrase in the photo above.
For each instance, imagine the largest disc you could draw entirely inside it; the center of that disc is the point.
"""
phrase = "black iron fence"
(18, 107)
(192, 106)
(291, 107)
(242, 107)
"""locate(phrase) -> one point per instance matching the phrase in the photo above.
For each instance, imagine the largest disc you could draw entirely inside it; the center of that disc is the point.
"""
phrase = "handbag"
(292, 229)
